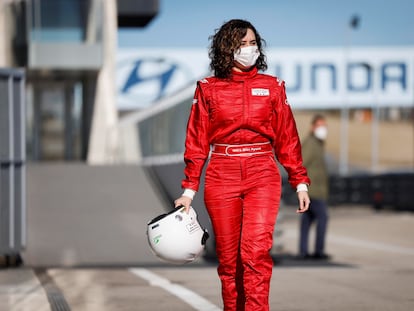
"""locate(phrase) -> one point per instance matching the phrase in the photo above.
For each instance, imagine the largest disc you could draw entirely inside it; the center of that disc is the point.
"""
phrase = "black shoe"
(321, 256)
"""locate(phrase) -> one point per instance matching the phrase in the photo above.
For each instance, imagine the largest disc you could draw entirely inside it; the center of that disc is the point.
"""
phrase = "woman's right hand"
(183, 201)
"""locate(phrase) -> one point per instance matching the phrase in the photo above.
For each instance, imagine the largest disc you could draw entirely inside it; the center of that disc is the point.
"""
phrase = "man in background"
(313, 152)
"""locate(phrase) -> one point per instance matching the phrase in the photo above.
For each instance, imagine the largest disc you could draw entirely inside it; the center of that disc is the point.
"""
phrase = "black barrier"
(392, 190)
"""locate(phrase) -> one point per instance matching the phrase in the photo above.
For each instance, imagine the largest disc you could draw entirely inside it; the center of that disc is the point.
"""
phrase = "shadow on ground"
(289, 260)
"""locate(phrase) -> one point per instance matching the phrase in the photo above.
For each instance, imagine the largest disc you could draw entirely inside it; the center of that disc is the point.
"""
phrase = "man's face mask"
(321, 132)
(247, 56)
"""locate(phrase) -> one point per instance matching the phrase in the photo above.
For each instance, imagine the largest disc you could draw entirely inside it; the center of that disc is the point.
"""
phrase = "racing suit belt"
(242, 150)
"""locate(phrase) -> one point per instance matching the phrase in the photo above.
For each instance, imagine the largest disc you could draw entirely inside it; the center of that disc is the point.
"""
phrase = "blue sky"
(288, 23)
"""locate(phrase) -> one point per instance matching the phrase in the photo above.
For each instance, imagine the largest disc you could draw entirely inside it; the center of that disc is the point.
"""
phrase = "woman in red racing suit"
(243, 119)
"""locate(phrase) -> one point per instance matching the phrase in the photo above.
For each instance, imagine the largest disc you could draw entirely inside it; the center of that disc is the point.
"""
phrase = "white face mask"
(321, 132)
(247, 56)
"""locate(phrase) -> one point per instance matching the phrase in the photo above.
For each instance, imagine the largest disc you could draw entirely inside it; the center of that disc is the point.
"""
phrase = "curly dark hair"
(226, 41)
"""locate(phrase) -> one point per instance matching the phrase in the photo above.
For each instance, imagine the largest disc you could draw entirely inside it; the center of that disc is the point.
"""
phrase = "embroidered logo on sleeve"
(260, 92)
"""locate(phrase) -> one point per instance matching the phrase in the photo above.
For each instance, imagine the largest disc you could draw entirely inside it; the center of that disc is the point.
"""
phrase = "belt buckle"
(240, 150)
(247, 149)
(226, 151)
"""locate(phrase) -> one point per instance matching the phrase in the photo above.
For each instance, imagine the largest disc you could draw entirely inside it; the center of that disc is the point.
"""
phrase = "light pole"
(375, 110)
(343, 160)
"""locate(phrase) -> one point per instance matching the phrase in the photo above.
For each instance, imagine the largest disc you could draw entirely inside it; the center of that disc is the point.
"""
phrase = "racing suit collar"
(242, 75)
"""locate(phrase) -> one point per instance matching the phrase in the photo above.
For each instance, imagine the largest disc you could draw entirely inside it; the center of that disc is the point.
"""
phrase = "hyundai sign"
(146, 75)
(315, 78)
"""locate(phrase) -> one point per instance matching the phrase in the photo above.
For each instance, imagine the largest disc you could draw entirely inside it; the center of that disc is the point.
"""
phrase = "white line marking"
(389, 248)
(196, 301)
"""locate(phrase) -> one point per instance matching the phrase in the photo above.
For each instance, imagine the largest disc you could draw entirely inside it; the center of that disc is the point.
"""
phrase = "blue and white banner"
(147, 75)
(316, 78)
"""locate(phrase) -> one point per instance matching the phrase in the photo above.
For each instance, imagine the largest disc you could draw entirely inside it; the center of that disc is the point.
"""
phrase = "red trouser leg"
(242, 197)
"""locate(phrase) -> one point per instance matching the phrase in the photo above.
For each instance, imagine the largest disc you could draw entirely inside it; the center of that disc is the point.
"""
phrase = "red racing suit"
(242, 193)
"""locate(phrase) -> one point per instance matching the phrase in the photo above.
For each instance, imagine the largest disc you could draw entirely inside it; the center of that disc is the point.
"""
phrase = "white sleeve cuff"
(189, 193)
(301, 187)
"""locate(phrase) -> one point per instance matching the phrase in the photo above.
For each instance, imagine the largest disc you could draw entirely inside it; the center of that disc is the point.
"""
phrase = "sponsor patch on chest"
(260, 92)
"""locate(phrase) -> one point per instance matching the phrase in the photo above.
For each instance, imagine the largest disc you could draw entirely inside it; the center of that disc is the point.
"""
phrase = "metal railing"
(12, 162)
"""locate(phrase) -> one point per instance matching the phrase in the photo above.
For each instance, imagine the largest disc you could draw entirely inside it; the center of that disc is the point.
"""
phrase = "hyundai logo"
(143, 81)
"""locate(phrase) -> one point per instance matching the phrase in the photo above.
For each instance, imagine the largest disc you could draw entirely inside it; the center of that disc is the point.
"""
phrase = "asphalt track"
(371, 269)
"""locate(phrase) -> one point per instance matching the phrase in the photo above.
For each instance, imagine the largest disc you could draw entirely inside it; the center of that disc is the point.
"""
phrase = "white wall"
(6, 31)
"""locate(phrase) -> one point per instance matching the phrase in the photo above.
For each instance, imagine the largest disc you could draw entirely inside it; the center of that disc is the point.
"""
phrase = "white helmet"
(177, 237)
